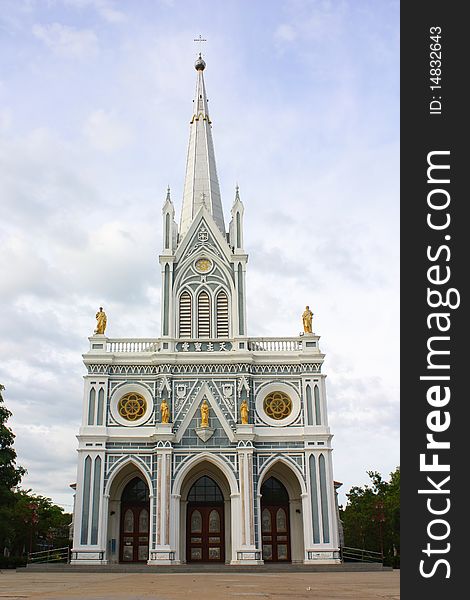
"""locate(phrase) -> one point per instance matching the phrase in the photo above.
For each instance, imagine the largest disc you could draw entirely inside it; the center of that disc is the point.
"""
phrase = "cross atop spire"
(200, 39)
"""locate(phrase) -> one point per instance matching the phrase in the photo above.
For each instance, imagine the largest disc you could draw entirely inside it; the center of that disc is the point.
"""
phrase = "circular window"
(203, 265)
(277, 405)
(132, 406)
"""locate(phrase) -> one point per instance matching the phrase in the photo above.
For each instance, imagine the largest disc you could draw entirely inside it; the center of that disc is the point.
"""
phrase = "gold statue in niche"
(244, 412)
(165, 411)
(204, 414)
(101, 320)
(307, 320)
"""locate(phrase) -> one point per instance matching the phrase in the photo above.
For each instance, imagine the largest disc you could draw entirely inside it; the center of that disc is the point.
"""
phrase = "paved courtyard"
(208, 586)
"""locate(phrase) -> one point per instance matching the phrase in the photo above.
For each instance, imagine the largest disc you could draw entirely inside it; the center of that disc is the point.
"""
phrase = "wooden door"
(275, 533)
(205, 533)
(134, 546)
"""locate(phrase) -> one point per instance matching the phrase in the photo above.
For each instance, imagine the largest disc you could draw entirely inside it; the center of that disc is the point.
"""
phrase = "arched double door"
(275, 527)
(135, 509)
(205, 540)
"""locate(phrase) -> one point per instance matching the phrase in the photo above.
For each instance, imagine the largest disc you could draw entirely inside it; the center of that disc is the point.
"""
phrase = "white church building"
(205, 444)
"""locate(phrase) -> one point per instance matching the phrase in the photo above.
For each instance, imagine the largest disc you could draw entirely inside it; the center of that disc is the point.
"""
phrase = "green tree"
(37, 524)
(10, 473)
(371, 518)
(28, 522)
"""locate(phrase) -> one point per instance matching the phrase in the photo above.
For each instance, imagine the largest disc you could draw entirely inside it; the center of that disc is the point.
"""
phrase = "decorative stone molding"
(204, 433)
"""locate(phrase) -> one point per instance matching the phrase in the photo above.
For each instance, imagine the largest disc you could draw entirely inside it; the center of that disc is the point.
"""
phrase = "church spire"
(201, 185)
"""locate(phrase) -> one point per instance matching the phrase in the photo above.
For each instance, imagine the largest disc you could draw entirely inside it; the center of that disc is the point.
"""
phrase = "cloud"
(5, 119)
(285, 33)
(67, 42)
(105, 132)
(28, 272)
(105, 8)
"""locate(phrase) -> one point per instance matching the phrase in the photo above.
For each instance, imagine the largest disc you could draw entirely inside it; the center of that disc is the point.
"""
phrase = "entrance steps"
(208, 568)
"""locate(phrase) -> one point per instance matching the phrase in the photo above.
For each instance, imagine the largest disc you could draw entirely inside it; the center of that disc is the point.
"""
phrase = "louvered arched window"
(203, 315)
(222, 314)
(185, 315)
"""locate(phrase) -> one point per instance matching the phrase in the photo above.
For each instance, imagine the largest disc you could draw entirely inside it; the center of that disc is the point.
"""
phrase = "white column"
(246, 553)
(163, 552)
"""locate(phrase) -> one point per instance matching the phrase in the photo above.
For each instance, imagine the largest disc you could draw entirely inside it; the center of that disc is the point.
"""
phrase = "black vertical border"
(421, 133)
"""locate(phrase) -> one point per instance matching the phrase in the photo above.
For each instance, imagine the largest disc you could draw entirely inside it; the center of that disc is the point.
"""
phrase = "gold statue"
(101, 320)
(164, 411)
(307, 320)
(204, 414)
(244, 412)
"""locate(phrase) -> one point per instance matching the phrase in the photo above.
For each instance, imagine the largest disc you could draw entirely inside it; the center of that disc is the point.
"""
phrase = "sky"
(95, 104)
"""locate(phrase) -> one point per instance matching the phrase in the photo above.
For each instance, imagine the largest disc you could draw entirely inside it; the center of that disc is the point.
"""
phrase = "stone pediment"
(203, 233)
(204, 392)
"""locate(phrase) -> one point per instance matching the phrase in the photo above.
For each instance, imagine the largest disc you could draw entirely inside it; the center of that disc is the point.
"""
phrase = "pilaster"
(247, 552)
(163, 552)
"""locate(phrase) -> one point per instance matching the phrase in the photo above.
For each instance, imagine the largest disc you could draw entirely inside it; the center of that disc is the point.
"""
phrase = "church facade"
(204, 445)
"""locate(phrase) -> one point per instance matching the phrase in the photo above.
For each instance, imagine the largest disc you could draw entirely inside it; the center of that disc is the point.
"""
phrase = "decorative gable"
(218, 417)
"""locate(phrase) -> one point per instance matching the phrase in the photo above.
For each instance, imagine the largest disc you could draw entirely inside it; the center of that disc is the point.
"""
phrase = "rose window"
(277, 405)
(132, 406)
(203, 265)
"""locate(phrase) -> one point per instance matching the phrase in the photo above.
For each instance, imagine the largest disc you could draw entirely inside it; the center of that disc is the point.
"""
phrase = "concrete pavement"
(382, 585)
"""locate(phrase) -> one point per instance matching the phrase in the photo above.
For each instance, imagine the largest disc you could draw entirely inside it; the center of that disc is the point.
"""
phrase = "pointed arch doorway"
(205, 540)
(275, 526)
(134, 527)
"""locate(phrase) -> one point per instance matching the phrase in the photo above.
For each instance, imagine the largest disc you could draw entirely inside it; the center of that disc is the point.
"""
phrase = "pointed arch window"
(214, 521)
(324, 499)
(281, 520)
(203, 315)
(144, 520)
(185, 315)
(99, 416)
(196, 522)
(316, 393)
(166, 299)
(129, 521)
(91, 407)
(95, 506)
(86, 500)
(241, 294)
(167, 231)
(222, 314)
(266, 521)
(239, 231)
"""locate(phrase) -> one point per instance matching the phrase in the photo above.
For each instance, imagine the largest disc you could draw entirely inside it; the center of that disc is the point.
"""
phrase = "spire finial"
(200, 65)
(168, 198)
(237, 194)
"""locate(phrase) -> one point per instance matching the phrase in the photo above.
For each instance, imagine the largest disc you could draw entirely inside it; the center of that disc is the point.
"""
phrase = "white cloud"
(105, 8)
(66, 41)
(285, 33)
(5, 119)
(106, 132)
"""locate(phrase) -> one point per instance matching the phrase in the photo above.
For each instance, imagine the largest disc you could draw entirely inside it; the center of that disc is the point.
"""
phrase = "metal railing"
(360, 555)
(48, 556)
